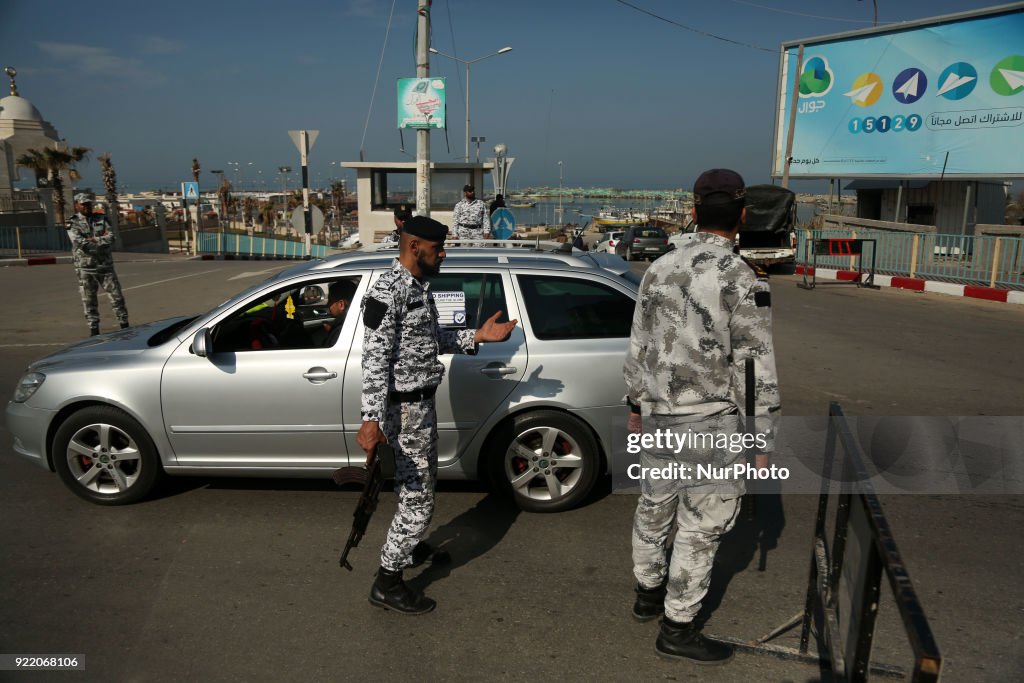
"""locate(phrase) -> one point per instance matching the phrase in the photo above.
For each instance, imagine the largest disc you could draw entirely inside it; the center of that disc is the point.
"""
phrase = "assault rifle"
(372, 478)
(750, 499)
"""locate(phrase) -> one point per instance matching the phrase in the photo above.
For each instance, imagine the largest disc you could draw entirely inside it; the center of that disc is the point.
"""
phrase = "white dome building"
(22, 128)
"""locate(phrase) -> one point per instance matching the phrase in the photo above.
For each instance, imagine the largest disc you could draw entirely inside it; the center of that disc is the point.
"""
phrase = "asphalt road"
(238, 579)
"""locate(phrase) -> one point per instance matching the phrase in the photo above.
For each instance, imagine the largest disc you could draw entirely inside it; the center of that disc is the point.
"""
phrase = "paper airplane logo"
(909, 86)
(957, 81)
(1008, 76)
(866, 90)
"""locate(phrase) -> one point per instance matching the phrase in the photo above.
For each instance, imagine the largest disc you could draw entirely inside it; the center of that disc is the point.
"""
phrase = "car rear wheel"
(105, 456)
(547, 460)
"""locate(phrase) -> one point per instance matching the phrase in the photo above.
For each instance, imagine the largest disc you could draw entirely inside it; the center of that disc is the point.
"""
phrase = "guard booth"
(381, 187)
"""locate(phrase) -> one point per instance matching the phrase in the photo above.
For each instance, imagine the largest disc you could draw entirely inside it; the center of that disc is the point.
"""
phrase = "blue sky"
(621, 98)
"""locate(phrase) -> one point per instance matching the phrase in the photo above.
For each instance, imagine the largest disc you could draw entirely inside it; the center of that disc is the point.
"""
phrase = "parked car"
(608, 241)
(642, 242)
(248, 390)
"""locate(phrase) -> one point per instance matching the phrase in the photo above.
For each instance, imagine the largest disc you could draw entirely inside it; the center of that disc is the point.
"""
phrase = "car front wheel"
(105, 456)
(547, 460)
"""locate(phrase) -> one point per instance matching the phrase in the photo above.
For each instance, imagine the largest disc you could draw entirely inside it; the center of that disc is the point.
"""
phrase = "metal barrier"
(841, 246)
(987, 260)
(251, 246)
(21, 241)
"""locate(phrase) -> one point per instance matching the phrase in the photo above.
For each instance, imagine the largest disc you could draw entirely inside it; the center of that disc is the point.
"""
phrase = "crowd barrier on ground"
(251, 246)
(987, 260)
(21, 241)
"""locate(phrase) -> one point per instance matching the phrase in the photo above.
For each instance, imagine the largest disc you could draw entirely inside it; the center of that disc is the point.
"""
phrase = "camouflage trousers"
(411, 428)
(88, 287)
(702, 517)
(470, 233)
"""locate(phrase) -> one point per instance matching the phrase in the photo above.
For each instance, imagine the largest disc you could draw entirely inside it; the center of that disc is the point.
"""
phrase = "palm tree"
(50, 164)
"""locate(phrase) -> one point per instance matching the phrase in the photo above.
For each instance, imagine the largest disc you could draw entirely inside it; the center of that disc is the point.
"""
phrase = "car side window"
(293, 317)
(573, 308)
(484, 296)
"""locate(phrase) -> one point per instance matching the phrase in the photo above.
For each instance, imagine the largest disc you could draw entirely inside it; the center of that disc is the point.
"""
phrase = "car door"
(474, 386)
(269, 395)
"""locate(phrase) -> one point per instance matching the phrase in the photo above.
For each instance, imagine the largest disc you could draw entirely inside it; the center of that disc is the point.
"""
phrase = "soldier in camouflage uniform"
(91, 238)
(402, 214)
(401, 372)
(701, 313)
(471, 218)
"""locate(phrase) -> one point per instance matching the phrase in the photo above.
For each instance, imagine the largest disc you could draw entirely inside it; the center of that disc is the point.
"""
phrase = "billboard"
(421, 102)
(937, 98)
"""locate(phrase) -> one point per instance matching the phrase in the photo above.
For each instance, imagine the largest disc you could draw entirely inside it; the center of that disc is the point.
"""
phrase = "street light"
(560, 218)
(467, 63)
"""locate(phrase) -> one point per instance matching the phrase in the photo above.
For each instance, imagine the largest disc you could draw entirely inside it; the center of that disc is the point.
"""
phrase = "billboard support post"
(792, 116)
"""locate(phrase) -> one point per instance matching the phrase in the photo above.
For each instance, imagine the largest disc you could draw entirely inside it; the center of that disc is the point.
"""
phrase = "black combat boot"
(94, 330)
(391, 592)
(650, 602)
(685, 641)
(124, 326)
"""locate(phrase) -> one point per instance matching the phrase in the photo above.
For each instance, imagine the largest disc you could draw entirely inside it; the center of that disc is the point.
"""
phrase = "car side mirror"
(202, 343)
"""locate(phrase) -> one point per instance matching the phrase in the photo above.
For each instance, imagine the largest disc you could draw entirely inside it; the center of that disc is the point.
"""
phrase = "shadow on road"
(468, 536)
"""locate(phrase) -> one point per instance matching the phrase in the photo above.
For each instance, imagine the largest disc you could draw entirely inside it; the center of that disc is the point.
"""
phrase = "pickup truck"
(768, 237)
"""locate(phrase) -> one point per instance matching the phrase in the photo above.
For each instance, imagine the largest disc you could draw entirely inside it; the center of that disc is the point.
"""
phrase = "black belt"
(412, 396)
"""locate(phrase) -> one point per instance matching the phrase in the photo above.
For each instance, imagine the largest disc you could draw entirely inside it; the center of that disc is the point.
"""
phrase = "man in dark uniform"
(401, 371)
(339, 296)
(91, 238)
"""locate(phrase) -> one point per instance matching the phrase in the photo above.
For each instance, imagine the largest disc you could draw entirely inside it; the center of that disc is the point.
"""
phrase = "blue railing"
(985, 260)
(20, 241)
(235, 244)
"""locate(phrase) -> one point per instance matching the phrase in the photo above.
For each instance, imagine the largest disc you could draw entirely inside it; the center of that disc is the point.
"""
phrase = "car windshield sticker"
(451, 308)
(289, 308)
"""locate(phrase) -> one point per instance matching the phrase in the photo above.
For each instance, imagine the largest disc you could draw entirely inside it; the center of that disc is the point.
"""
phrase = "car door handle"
(498, 370)
(319, 375)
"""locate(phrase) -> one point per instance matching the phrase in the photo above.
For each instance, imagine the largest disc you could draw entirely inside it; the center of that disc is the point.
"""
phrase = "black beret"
(425, 228)
(728, 185)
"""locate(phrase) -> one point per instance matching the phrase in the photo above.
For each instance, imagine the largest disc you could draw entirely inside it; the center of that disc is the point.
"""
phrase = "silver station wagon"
(262, 386)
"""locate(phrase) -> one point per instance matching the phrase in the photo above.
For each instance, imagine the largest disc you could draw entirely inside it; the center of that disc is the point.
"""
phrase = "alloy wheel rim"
(544, 464)
(104, 459)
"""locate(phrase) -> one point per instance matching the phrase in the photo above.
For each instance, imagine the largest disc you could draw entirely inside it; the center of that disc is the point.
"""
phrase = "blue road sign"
(190, 191)
(503, 224)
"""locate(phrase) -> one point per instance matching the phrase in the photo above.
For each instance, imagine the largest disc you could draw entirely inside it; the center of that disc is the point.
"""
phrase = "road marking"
(172, 279)
(254, 273)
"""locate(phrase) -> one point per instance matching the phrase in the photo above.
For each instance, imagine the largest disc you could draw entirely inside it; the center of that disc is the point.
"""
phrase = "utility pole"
(304, 140)
(792, 116)
(423, 134)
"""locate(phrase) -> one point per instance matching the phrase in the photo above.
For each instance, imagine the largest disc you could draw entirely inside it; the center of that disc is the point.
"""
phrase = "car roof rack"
(534, 245)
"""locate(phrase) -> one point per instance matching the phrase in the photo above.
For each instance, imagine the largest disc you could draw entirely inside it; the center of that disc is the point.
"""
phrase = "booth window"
(391, 189)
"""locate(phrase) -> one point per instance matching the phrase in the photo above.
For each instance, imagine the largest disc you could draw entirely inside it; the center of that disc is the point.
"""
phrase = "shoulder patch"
(374, 312)
(763, 299)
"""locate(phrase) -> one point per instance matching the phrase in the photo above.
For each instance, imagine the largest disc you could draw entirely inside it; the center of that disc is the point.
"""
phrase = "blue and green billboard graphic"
(938, 99)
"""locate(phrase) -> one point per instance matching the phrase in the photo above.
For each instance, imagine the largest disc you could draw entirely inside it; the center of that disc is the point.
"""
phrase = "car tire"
(105, 456)
(523, 446)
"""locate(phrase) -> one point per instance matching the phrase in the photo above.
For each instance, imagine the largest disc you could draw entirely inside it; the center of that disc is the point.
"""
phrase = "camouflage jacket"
(402, 339)
(701, 313)
(90, 242)
(471, 215)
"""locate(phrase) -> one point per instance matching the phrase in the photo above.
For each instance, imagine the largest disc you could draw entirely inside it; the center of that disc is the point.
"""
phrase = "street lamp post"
(560, 216)
(467, 63)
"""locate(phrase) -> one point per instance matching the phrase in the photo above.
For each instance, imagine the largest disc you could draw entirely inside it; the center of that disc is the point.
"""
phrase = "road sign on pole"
(503, 224)
(190, 191)
(304, 140)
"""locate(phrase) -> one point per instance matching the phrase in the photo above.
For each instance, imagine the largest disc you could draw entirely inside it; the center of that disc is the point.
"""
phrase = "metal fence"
(991, 261)
(226, 243)
(22, 241)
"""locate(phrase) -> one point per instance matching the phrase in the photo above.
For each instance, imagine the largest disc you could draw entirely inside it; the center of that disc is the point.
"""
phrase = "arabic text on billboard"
(945, 99)
(421, 102)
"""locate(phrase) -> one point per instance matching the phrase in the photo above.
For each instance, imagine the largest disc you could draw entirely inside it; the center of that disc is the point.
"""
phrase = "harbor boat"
(609, 215)
(521, 203)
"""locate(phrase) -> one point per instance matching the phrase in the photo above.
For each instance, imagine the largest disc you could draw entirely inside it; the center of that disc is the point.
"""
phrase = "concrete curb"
(920, 285)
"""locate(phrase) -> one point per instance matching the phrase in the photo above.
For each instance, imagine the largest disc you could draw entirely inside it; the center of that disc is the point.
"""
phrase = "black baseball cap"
(718, 186)
(402, 212)
(468, 188)
(425, 228)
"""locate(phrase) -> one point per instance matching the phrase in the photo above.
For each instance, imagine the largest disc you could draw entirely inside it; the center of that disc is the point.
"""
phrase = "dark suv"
(641, 242)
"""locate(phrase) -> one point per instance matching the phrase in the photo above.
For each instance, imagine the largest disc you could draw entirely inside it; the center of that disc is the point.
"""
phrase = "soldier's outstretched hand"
(493, 331)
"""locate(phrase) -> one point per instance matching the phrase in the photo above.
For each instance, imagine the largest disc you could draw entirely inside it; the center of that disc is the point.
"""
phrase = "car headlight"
(28, 385)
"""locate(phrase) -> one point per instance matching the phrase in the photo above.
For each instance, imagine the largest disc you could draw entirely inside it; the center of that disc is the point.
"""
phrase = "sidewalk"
(919, 284)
